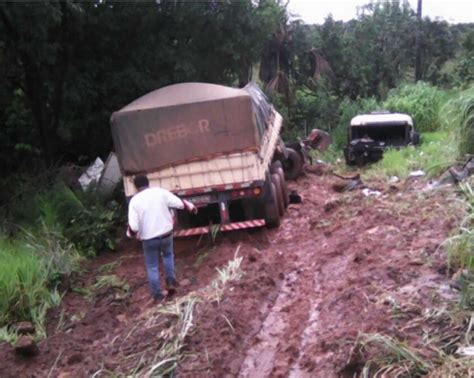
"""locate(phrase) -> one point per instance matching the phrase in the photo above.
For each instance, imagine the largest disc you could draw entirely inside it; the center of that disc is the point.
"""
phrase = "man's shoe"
(171, 285)
(158, 297)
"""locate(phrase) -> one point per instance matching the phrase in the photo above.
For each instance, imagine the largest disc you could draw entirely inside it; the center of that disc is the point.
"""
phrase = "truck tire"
(271, 214)
(281, 205)
(284, 188)
(293, 166)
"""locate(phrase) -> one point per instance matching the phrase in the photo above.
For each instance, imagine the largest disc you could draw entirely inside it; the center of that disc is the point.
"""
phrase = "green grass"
(460, 247)
(31, 268)
(457, 115)
(422, 101)
(23, 284)
(437, 152)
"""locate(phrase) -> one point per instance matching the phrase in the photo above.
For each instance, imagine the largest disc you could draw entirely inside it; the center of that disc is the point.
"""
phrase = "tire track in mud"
(259, 360)
(291, 321)
(339, 275)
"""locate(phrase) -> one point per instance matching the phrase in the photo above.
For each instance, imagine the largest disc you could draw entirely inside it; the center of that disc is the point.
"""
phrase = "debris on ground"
(393, 180)
(92, 175)
(102, 177)
(371, 193)
(25, 328)
(351, 183)
(418, 173)
(453, 175)
(295, 197)
(315, 169)
(466, 351)
(26, 346)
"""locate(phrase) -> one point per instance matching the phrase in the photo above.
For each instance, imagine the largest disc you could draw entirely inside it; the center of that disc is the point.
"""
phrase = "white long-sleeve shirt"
(149, 212)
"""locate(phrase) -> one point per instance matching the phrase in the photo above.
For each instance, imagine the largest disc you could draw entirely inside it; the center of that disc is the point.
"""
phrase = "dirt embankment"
(339, 265)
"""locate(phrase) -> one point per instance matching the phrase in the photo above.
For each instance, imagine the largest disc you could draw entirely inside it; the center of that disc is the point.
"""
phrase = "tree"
(36, 44)
(69, 65)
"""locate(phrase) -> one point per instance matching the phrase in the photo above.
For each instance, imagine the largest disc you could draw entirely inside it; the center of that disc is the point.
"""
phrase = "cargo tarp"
(182, 123)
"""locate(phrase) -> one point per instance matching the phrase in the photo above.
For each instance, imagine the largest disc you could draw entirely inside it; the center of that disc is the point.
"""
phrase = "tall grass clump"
(27, 285)
(460, 247)
(421, 101)
(457, 115)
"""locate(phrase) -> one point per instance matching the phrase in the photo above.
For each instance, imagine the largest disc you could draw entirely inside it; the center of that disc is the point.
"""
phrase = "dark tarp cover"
(186, 122)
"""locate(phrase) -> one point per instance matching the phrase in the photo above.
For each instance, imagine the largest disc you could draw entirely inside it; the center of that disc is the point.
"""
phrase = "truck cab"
(369, 135)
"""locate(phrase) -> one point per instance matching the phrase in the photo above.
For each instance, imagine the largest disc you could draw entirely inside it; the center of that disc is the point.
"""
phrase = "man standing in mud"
(151, 221)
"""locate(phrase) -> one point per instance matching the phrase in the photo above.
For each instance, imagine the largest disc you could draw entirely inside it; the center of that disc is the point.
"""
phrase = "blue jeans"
(152, 249)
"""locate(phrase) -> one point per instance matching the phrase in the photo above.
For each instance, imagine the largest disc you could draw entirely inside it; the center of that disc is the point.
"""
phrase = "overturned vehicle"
(369, 135)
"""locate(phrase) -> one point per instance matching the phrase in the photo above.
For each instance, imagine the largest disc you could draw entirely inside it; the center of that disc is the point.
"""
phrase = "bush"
(93, 228)
(421, 101)
(83, 219)
(457, 115)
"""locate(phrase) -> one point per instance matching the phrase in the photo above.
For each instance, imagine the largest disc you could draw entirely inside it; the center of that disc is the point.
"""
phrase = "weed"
(460, 248)
(112, 281)
(23, 283)
(422, 101)
(107, 268)
(230, 272)
(8, 334)
(215, 229)
(457, 115)
(396, 358)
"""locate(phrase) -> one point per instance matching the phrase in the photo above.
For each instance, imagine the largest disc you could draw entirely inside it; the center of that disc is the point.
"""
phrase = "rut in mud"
(337, 266)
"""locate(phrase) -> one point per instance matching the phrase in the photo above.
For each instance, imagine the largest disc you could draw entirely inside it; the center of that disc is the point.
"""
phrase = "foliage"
(86, 221)
(460, 248)
(457, 115)
(421, 101)
(29, 276)
(426, 157)
(66, 62)
(93, 228)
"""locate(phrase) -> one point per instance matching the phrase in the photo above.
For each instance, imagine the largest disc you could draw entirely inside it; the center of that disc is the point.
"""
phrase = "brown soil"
(341, 264)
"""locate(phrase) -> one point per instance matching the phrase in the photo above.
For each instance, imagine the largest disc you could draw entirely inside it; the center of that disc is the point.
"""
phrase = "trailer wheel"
(272, 215)
(279, 194)
(293, 165)
(284, 188)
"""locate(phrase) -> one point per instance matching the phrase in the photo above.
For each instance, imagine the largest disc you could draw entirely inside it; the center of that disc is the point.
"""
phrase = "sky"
(314, 12)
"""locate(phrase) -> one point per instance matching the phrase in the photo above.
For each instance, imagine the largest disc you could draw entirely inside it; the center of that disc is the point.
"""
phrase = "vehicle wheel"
(284, 188)
(281, 205)
(293, 166)
(275, 165)
(272, 216)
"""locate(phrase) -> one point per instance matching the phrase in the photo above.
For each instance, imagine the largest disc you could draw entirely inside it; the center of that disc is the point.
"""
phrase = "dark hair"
(141, 181)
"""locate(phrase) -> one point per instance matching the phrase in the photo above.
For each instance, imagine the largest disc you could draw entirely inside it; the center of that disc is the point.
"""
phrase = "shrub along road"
(304, 300)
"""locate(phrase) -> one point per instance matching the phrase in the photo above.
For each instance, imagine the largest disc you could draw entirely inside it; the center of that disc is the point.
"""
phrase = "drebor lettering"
(180, 131)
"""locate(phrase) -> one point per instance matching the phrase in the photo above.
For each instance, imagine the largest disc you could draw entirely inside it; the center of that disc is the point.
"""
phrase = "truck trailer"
(216, 146)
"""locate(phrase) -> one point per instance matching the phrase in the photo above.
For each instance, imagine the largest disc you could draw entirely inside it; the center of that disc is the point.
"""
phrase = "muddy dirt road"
(340, 265)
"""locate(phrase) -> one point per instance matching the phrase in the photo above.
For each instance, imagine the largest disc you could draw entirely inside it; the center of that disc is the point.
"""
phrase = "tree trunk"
(418, 72)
